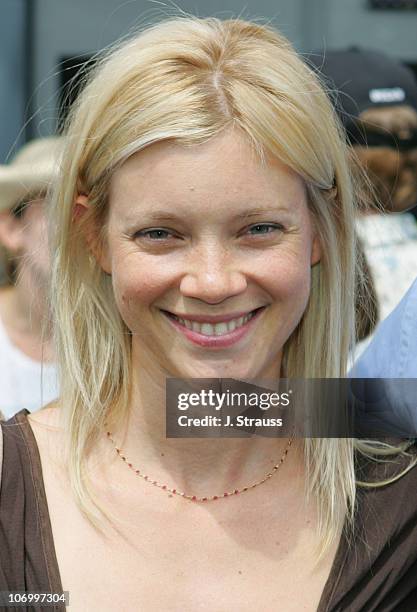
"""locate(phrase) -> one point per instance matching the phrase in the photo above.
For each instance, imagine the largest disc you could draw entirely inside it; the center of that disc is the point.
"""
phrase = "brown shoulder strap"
(1, 451)
(27, 551)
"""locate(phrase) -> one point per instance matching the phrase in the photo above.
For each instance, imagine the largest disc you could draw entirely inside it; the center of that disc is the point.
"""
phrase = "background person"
(376, 97)
(393, 351)
(392, 358)
(203, 221)
(27, 373)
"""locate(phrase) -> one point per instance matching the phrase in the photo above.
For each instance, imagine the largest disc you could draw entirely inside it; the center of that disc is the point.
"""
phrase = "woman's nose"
(212, 275)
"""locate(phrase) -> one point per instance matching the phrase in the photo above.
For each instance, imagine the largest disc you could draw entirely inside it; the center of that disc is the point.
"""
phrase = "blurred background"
(43, 42)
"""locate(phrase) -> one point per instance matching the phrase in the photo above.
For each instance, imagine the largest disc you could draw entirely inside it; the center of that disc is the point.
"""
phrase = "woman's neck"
(196, 466)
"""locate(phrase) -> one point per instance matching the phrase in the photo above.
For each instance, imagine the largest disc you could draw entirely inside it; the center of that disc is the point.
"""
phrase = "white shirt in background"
(24, 382)
(390, 245)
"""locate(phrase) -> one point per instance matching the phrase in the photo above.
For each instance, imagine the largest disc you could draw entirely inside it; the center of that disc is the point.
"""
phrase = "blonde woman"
(203, 227)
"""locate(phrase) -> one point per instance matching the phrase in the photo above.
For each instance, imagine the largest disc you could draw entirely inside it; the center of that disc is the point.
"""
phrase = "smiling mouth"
(214, 329)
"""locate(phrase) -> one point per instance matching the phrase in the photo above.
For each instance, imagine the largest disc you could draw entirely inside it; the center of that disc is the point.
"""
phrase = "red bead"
(193, 497)
(164, 486)
(225, 494)
(129, 464)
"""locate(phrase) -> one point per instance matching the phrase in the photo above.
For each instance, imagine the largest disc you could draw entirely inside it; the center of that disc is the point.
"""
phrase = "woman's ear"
(10, 232)
(91, 233)
(315, 250)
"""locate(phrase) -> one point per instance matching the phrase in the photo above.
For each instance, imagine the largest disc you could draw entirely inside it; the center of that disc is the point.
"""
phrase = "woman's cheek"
(292, 277)
(136, 288)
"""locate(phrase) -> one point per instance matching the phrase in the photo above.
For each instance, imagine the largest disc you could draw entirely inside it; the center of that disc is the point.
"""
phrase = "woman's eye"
(160, 234)
(154, 234)
(264, 228)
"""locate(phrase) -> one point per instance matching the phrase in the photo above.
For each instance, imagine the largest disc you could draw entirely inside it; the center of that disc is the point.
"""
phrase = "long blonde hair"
(186, 80)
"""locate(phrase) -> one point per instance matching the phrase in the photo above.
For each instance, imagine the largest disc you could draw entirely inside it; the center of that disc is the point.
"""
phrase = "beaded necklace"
(195, 497)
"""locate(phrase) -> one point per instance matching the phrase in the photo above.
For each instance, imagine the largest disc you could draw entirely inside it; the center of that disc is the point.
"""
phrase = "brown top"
(377, 572)
(27, 554)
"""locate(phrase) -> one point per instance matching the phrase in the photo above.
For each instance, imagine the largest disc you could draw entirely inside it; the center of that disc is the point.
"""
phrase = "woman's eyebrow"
(255, 212)
(165, 215)
(162, 215)
(152, 216)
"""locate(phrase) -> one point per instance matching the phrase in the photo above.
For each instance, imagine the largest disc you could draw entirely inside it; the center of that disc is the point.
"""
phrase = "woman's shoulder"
(23, 436)
(18, 443)
(377, 566)
(388, 482)
(386, 502)
(25, 439)
(26, 544)
(47, 418)
(21, 474)
(386, 459)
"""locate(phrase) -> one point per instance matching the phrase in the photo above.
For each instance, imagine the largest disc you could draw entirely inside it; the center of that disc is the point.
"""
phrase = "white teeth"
(231, 325)
(218, 329)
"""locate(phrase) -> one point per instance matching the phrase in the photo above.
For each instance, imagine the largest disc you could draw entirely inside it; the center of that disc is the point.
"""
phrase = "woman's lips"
(228, 338)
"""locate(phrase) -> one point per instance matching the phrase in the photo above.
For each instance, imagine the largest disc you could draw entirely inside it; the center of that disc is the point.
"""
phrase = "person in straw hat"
(27, 372)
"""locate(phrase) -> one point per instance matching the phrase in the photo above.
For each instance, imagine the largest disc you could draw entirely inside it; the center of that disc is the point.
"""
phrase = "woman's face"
(210, 254)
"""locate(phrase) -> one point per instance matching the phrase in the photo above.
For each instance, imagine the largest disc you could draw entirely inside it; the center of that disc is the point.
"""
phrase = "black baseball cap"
(359, 79)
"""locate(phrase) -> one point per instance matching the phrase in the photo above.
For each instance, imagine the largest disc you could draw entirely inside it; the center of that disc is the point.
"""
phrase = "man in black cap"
(376, 98)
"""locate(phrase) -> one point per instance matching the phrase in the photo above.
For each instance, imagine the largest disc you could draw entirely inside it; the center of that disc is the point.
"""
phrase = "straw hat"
(31, 171)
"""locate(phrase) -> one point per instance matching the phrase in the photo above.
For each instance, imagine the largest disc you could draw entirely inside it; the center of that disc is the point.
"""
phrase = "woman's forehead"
(226, 167)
